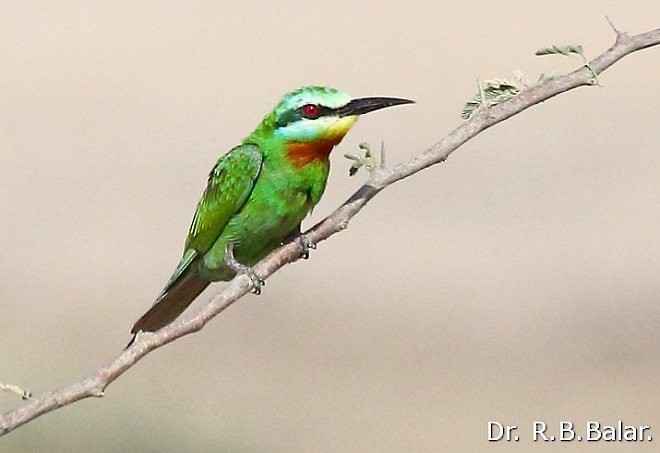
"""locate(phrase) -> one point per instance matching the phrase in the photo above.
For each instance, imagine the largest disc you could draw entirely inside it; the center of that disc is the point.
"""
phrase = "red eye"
(310, 111)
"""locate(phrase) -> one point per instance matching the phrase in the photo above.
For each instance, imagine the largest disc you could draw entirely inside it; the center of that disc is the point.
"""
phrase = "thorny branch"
(482, 119)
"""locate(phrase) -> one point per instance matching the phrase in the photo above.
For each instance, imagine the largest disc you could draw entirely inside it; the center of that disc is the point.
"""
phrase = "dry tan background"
(516, 282)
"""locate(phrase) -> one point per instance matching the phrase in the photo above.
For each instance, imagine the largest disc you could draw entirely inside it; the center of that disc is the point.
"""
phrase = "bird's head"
(312, 120)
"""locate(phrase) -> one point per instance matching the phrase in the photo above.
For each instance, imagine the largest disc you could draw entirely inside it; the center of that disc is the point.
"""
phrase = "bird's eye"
(310, 111)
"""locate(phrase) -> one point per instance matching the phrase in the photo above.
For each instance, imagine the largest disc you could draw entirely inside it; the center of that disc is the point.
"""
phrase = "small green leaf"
(495, 91)
(16, 390)
(561, 50)
(366, 148)
(520, 79)
(366, 161)
(544, 78)
(568, 50)
(353, 169)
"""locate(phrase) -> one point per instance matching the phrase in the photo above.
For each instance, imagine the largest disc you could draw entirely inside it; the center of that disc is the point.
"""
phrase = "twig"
(24, 394)
(95, 383)
(616, 30)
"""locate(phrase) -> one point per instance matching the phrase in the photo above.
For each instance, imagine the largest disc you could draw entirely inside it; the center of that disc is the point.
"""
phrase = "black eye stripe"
(291, 116)
(323, 111)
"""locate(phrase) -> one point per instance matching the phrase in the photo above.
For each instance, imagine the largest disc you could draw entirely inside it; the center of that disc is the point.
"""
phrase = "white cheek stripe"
(326, 127)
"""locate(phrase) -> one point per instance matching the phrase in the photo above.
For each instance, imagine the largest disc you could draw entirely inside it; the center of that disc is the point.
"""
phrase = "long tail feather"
(171, 303)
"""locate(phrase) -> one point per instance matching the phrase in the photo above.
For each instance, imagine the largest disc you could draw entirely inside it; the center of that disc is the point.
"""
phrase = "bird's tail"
(176, 298)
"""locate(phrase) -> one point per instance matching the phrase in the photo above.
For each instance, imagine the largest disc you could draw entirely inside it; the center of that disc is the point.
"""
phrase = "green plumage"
(257, 194)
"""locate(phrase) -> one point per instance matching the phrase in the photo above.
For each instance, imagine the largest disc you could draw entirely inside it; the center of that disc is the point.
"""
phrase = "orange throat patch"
(300, 154)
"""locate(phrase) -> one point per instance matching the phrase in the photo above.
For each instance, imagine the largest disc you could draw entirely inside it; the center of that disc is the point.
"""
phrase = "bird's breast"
(300, 154)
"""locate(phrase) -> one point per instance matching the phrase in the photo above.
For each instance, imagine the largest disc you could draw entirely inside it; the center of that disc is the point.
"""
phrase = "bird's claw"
(242, 269)
(305, 246)
(257, 283)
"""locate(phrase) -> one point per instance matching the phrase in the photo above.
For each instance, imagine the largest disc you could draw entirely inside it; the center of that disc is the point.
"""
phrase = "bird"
(258, 193)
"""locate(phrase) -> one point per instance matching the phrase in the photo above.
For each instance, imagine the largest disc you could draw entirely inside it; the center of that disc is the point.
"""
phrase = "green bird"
(259, 192)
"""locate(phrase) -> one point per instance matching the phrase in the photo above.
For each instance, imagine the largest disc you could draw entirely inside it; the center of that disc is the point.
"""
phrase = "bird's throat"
(300, 154)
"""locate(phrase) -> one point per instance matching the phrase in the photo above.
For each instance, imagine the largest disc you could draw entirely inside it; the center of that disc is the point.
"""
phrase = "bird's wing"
(230, 183)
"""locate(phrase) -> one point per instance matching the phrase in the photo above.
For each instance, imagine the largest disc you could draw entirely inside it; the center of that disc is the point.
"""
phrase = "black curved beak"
(365, 105)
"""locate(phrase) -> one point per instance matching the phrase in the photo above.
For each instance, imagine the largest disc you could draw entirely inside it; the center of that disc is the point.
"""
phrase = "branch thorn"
(616, 30)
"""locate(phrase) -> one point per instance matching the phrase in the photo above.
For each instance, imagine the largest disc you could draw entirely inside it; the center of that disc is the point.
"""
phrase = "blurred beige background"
(516, 282)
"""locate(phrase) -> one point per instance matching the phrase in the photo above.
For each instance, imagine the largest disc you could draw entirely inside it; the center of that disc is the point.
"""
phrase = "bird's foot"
(305, 245)
(240, 268)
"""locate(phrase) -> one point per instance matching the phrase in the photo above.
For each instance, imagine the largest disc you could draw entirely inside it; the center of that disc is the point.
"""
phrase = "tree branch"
(482, 119)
